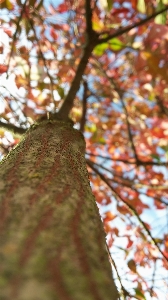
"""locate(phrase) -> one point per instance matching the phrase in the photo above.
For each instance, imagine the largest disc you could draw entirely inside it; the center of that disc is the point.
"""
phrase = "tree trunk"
(52, 243)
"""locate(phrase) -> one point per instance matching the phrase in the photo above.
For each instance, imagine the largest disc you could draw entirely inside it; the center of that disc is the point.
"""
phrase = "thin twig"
(133, 162)
(128, 183)
(129, 206)
(153, 279)
(120, 93)
(128, 28)
(123, 291)
(14, 37)
(44, 60)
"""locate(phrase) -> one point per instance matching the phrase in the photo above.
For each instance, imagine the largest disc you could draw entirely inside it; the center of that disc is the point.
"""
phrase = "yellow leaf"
(141, 6)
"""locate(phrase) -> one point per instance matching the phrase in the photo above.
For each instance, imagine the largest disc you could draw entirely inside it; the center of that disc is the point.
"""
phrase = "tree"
(103, 67)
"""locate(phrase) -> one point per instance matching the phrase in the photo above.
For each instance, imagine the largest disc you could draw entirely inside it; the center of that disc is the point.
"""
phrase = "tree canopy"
(109, 61)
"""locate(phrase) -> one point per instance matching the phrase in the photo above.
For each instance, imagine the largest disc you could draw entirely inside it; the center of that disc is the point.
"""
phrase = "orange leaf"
(109, 216)
(3, 69)
(134, 3)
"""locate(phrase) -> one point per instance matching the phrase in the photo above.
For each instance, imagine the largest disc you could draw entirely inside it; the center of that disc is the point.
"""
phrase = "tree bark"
(52, 243)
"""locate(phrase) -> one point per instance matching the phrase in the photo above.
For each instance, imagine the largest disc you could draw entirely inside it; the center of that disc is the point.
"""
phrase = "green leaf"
(155, 156)
(109, 4)
(41, 86)
(106, 4)
(93, 128)
(139, 294)
(100, 49)
(60, 91)
(161, 18)
(101, 140)
(116, 44)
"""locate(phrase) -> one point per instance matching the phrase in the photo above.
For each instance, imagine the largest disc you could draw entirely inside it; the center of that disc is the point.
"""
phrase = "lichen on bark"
(52, 243)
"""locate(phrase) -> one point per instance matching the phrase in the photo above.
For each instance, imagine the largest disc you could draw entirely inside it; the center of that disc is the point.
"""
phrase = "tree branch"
(88, 17)
(91, 42)
(12, 128)
(133, 162)
(84, 104)
(128, 28)
(124, 292)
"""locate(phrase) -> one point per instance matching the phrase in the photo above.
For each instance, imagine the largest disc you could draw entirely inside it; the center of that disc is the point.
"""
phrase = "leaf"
(106, 4)
(139, 294)
(132, 265)
(130, 243)
(109, 4)
(155, 156)
(161, 18)
(101, 140)
(93, 128)
(53, 34)
(1, 49)
(6, 4)
(62, 8)
(29, 112)
(60, 91)
(117, 11)
(8, 32)
(97, 23)
(153, 62)
(41, 85)
(109, 216)
(141, 6)
(20, 81)
(116, 44)
(100, 49)
(134, 3)
(3, 69)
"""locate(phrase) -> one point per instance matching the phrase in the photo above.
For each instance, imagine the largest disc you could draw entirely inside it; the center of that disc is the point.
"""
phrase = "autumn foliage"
(121, 107)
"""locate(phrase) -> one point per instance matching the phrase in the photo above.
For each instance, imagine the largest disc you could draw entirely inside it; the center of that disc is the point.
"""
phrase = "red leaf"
(3, 69)
(1, 49)
(8, 32)
(134, 3)
(159, 205)
(62, 8)
(53, 34)
(118, 11)
(130, 242)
